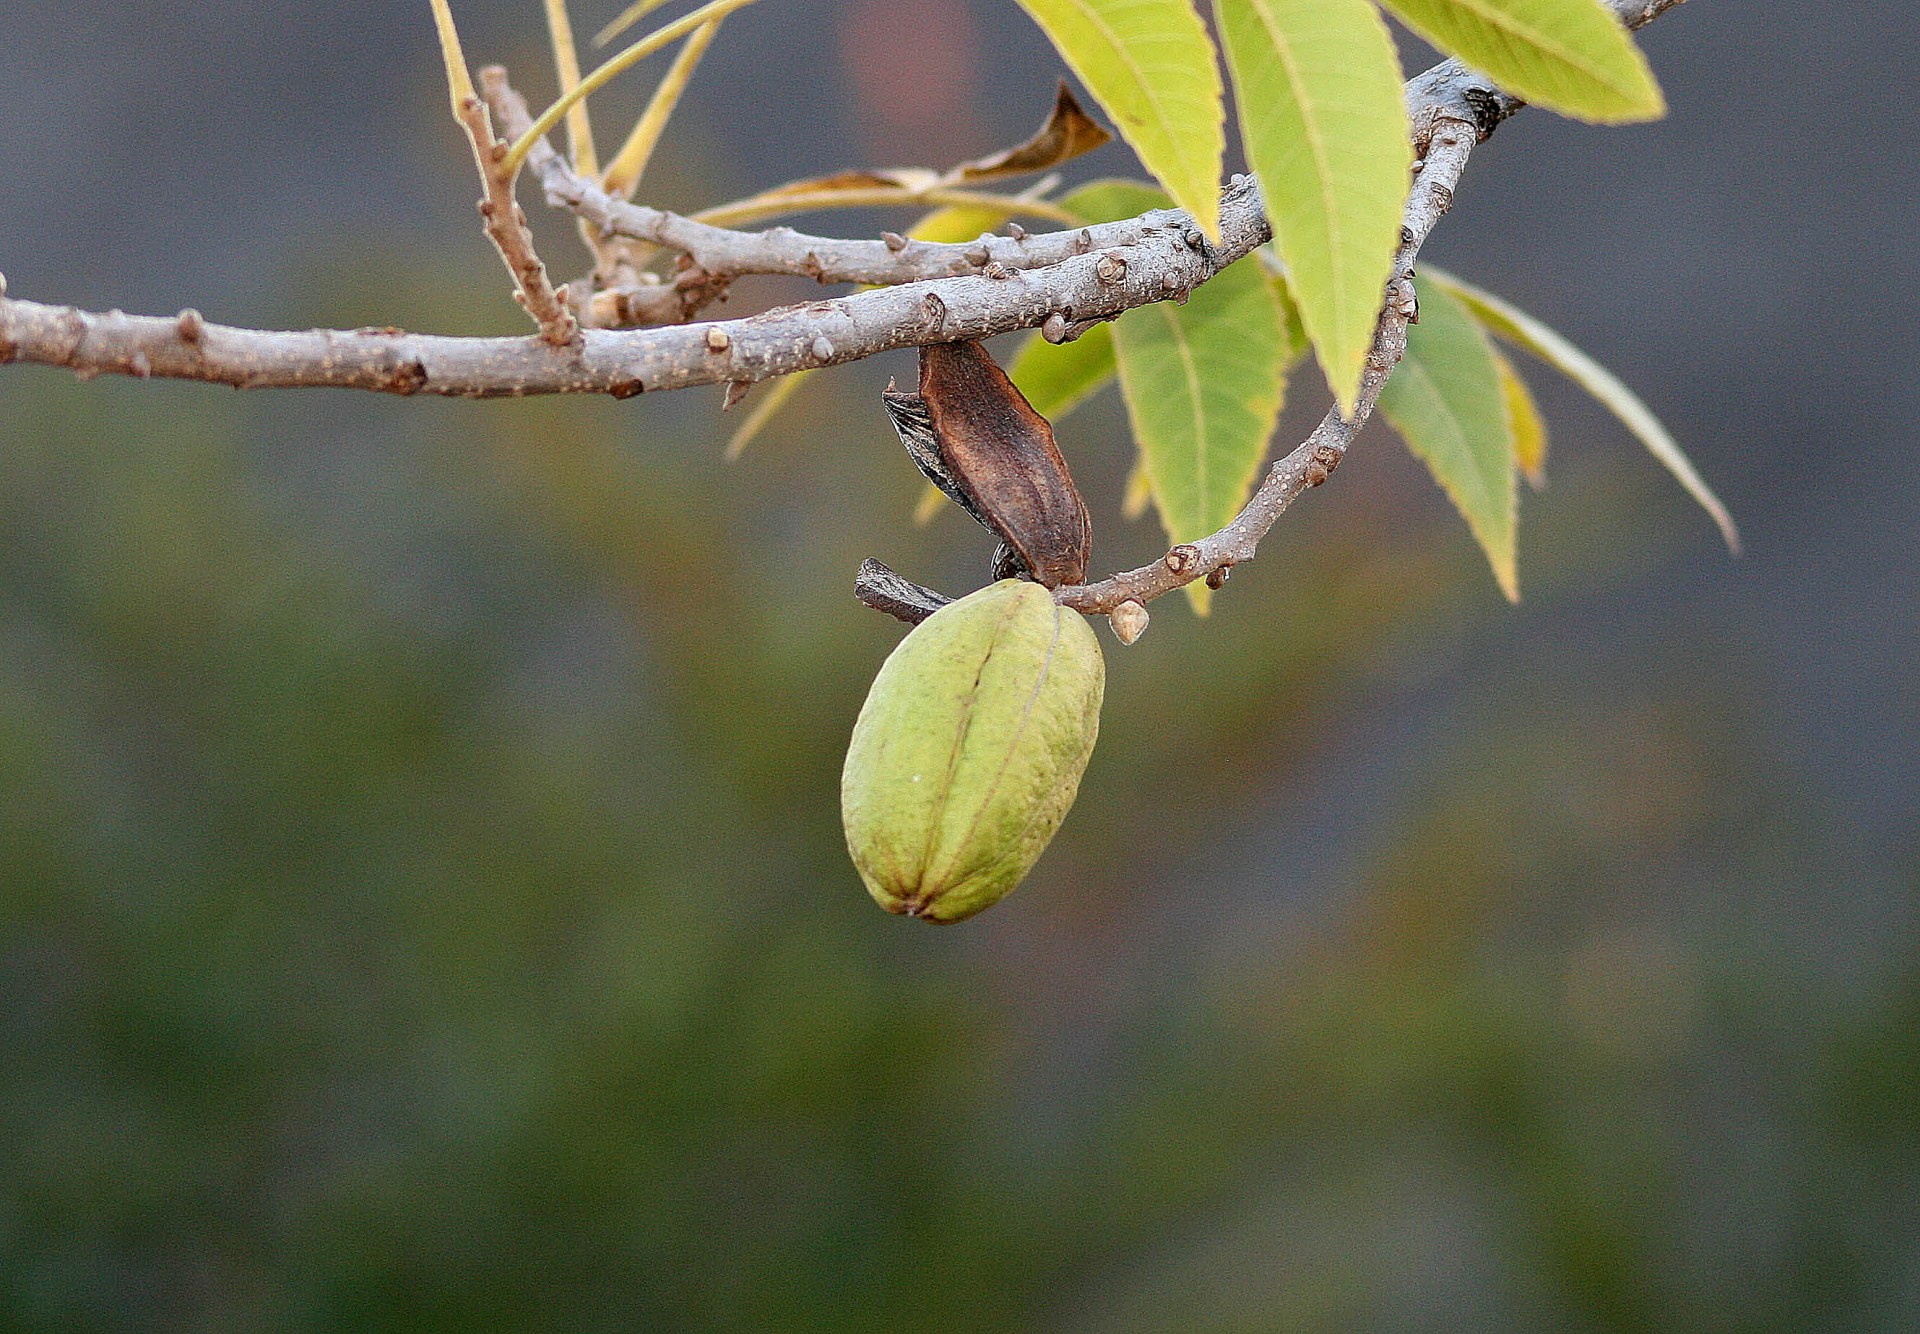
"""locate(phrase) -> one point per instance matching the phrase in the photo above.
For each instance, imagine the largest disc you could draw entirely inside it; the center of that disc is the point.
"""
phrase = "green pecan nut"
(969, 750)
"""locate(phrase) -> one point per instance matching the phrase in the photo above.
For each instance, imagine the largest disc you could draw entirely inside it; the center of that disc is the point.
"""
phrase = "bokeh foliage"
(422, 905)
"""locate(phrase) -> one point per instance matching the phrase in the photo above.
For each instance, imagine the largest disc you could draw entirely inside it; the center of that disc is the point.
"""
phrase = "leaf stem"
(761, 207)
(459, 80)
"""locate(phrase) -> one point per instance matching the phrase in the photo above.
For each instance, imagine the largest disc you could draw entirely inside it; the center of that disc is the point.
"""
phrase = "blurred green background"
(422, 899)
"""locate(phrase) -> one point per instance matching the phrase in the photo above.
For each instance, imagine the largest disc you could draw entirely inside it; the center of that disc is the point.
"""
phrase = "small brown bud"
(1110, 268)
(895, 241)
(1218, 576)
(977, 254)
(1128, 621)
(1183, 558)
(718, 339)
(995, 269)
(190, 326)
(1054, 329)
(1016, 231)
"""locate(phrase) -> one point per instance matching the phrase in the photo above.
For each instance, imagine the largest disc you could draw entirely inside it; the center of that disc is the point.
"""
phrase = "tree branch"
(1161, 263)
(1061, 281)
(1451, 141)
(1451, 108)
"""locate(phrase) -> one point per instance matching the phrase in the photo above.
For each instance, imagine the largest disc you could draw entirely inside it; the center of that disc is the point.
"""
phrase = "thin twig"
(506, 227)
(1315, 459)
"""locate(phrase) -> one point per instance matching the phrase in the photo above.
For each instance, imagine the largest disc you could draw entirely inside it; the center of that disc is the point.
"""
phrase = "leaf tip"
(1507, 576)
(1728, 532)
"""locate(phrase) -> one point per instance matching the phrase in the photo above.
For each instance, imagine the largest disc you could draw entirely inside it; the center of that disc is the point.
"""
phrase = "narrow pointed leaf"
(1058, 378)
(957, 222)
(1524, 331)
(1529, 427)
(1324, 122)
(1152, 67)
(1570, 56)
(1445, 401)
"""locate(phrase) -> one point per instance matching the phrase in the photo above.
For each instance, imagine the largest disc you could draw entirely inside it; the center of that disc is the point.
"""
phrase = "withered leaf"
(977, 438)
(1068, 132)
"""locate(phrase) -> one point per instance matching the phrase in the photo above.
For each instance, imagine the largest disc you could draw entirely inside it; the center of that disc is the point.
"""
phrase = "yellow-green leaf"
(1203, 383)
(1445, 401)
(1152, 67)
(1525, 332)
(1529, 427)
(1324, 122)
(1570, 56)
(1058, 378)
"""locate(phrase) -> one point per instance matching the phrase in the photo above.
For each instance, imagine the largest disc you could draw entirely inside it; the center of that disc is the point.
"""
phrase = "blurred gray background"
(420, 894)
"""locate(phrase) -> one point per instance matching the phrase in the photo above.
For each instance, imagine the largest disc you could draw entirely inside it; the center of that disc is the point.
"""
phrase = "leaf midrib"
(1316, 144)
(1165, 123)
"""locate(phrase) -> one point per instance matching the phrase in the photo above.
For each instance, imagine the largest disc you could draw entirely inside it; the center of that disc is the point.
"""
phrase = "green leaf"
(1570, 56)
(1152, 67)
(1203, 382)
(1526, 332)
(1529, 427)
(1445, 401)
(1058, 378)
(1324, 122)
